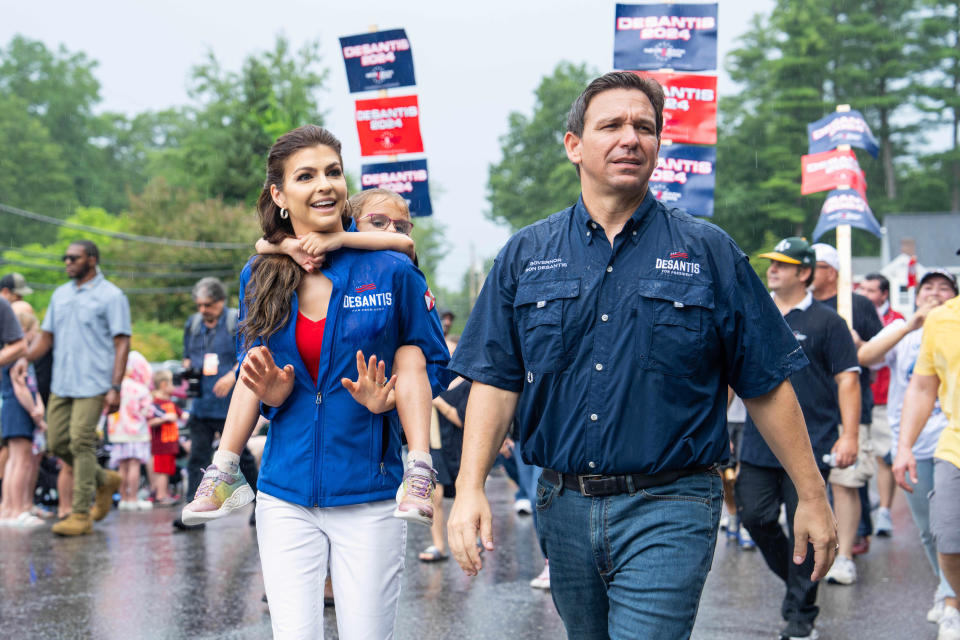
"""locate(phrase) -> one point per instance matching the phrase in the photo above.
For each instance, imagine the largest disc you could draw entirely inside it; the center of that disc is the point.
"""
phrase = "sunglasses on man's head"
(382, 221)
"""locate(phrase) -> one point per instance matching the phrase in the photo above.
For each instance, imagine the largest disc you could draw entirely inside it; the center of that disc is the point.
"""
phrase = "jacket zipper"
(321, 382)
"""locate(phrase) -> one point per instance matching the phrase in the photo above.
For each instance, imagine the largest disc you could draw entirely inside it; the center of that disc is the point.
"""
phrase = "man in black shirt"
(827, 390)
(853, 516)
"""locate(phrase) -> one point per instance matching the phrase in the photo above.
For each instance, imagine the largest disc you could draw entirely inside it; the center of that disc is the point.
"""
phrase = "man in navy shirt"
(827, 390)
(612, 329)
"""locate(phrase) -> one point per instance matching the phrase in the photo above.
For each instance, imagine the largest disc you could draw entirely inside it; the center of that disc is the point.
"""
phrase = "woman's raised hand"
(371, 388)
(261, 374)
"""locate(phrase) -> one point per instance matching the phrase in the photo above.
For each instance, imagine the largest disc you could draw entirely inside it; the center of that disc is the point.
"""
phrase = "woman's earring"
(284, 214)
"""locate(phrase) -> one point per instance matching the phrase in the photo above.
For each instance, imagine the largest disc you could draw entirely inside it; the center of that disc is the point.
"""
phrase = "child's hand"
(307, 262)
(318, 244)
(271, 383)
(371, 389)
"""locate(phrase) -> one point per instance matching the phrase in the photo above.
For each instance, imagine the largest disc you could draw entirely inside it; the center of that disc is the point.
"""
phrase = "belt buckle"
(583, 489)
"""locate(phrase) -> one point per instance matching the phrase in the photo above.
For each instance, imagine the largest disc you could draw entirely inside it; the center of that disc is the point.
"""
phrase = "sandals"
(432, 554)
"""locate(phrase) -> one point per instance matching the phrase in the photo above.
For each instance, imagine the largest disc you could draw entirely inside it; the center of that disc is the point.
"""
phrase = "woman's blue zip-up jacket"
(323, 448)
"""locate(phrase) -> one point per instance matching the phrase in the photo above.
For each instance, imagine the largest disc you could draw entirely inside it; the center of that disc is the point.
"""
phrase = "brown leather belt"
(601, 485)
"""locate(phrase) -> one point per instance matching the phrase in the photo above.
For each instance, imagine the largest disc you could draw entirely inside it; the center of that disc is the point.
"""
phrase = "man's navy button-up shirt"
(622, 355)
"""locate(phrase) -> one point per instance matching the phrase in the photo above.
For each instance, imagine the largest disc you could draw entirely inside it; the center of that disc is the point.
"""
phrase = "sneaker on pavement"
(542, 581)
(127, 505)
(103, 501)
(219, 493)
(936, 611)
(746, 540)
(144, 505)
(799, 630)
(523, 507)
(179, 526)
(843, 571)
(949, 625)
(415, 494)
(75, 524)
(27, 520)
(883, 523)
(725, 521)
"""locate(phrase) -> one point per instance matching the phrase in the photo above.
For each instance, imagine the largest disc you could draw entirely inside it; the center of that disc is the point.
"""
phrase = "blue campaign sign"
(846, 127)
(660, 36)
(380, 60)
(846, 206)
(685, 178)
(408, 178)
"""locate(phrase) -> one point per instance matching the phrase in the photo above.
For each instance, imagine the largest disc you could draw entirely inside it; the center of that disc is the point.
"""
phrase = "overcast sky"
(475, 63)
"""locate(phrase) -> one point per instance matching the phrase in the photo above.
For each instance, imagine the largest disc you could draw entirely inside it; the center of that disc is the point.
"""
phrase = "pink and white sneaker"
(415, 495)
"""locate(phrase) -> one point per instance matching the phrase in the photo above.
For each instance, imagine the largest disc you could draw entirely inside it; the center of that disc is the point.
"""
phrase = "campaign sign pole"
(845, 277)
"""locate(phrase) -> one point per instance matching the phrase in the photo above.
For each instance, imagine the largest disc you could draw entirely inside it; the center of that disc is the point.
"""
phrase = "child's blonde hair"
(357, 201)
(162, 375)
(27, 319)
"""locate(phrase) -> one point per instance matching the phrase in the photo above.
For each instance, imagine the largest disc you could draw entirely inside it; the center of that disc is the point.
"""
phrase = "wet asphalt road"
(134, 578)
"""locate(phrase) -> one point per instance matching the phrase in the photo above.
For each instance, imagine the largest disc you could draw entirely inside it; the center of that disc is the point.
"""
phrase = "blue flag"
(659, 36)
(380, 60)
(685, 178)
(408, 178)
(846, 206)
(847, 127)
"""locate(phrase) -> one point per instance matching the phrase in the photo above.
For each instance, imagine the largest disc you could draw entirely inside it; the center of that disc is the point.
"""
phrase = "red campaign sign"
(389, 126)
(830, 170)
(690, 107)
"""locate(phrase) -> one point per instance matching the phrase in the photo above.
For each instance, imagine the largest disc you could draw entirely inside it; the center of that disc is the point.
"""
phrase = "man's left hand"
(111, 401)
(815, 523)
(222, 387)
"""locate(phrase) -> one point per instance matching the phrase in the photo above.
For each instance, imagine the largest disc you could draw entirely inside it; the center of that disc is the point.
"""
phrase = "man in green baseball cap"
(828, 390)
(794, 250)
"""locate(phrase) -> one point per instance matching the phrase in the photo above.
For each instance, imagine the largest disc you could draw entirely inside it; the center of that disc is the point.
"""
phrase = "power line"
(194, 244)
(42, 286)
(119, 263)
(130, 274)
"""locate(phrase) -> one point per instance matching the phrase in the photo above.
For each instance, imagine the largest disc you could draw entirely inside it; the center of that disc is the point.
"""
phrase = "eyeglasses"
(71, 258)
(382, 221)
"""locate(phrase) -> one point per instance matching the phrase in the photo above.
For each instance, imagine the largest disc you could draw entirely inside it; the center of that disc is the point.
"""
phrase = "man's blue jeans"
(630, 565)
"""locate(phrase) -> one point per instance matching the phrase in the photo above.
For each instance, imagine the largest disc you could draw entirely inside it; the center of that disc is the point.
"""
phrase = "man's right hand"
(469, 516)
(846, 449)
(262, 376)
(815, 523)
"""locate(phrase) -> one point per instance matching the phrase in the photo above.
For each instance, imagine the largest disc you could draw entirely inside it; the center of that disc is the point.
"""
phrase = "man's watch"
(115, 387)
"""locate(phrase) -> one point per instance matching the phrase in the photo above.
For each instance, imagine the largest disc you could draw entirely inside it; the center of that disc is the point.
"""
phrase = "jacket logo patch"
(429, 300)
(368, 299)
(678, 264)
(366, 287)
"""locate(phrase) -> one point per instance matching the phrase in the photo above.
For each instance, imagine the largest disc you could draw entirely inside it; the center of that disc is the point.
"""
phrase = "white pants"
(364, 546)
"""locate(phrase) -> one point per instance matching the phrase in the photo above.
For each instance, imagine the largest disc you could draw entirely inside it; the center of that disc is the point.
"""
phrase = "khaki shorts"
(880, 433)
(857, 475)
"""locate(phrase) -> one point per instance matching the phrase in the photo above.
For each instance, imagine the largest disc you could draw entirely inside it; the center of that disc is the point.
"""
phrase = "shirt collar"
(803, 305)
(884, 308)
(89, 284)
(583, 220)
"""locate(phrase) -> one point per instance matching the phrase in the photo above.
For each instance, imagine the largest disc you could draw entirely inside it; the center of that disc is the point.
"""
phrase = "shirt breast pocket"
(539, 309)
(672, 321)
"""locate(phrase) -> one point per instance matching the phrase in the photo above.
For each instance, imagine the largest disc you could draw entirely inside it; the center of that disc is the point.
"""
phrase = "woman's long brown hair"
(274, 278)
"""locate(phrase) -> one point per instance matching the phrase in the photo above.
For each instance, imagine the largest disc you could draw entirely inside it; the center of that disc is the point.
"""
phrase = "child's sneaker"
(219, 493)
(415, 495)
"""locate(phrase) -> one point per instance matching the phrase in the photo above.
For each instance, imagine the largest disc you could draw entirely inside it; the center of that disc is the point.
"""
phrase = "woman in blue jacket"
(330, 467)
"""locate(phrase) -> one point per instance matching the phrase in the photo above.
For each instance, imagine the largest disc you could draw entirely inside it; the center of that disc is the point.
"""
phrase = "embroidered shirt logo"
(799, 336)
(430, 300)
(368, 298)
(678, 263)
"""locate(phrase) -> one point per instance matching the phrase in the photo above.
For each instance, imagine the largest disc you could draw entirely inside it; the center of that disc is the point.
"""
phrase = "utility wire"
(121, 263)
(172, 242)
(129, 274)
(42, 286)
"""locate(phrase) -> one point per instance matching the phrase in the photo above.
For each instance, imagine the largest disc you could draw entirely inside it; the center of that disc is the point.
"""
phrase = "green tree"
(222, 141)
(534, 178)
(938, 48)
(33, 174)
